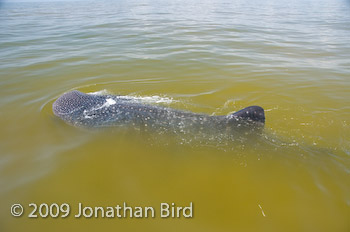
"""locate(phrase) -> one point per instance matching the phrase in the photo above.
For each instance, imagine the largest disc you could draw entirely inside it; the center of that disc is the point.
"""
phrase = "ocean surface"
(214, 57)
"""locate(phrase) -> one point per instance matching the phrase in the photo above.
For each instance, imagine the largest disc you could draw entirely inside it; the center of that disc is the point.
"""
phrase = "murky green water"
(290, 57)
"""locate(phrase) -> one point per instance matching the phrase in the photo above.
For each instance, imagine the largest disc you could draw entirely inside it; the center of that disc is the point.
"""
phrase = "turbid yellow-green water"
(214, 57)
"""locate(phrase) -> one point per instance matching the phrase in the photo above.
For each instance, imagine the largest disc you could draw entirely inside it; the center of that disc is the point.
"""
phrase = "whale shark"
(106, 110)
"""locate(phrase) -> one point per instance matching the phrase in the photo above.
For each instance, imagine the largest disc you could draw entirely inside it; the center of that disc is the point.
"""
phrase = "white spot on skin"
(86, 115)
(109, 102)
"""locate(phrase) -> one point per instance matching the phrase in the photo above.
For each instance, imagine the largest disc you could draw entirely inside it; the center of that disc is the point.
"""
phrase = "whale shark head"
(71, 106)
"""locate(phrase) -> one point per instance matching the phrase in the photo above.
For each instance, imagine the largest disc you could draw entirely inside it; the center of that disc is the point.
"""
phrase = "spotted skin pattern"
(96, 111)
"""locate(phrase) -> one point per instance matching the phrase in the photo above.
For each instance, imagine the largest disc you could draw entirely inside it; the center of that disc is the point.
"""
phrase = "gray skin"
(98, 111)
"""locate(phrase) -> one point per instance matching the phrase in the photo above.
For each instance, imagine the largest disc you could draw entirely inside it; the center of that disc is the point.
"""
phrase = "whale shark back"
(96, 111)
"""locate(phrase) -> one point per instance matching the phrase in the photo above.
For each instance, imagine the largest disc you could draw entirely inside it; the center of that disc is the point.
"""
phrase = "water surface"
(214, 57)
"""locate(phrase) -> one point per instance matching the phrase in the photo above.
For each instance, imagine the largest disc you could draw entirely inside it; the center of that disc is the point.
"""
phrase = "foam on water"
(155, 99)
(152, 99)
(101, 92)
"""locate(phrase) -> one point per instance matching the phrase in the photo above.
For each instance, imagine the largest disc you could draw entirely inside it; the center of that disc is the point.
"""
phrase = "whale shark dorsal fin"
(251, 113)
